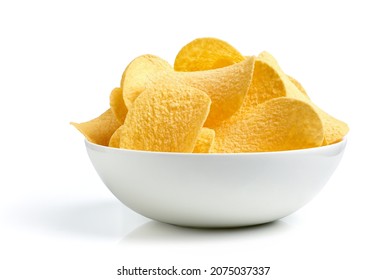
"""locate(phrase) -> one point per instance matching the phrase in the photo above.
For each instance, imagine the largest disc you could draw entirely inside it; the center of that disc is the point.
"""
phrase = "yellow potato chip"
(117, 105)
(266, 84)
(334, 129)
(211, 53)
(269, 81)
(206, 54)
(167, 118)
(290, 89)
(246, 104)
(100, 129)
(137, 74)
(114, 141)
(227, 88)
(298, 85)
(201, 54)
(205, 140)
(276, 125)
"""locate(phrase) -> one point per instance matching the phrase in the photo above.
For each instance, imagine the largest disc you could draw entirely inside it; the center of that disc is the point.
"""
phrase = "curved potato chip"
(291, 89)
(269, 81)
(100, 129)
(206, 54)
(250, 104)
(137, 74)
(227, 88)
(276, 125)
(167, 118)
(298, 85)
(211, 53)
(114, 141)
(266, 84)
(334, 129)
(117, 105)
(205, 140)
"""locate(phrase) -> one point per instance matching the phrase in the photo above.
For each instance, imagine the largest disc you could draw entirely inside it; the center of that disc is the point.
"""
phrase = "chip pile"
(213, 100)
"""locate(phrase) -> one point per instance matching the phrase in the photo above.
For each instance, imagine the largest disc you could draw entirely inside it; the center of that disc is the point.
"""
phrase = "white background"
(59, 61)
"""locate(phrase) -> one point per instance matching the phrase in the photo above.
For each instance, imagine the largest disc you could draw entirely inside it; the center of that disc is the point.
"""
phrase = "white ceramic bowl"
(215, 190)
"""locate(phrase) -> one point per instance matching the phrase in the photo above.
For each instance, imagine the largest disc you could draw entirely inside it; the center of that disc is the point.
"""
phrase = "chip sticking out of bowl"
(99, 130)
(269, 81)
(137, 73)
(166, 119)
(274, 125)
(206, 54)
(226, 86)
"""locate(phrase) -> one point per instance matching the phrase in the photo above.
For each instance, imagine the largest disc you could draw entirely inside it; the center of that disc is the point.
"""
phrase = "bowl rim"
(102, 148)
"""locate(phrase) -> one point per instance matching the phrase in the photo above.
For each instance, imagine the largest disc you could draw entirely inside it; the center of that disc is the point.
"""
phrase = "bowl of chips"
(219, 139)
(215, 190)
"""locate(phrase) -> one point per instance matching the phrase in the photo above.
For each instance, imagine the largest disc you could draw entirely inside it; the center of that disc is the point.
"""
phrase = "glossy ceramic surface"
(215, 190)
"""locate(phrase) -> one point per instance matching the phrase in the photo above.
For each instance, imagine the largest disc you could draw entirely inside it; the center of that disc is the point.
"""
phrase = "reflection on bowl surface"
(215, 190)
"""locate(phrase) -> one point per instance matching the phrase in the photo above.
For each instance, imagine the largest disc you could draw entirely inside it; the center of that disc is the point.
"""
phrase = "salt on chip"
(206, 54)
(277, 125)
(205, 140)
(137, 74)
(114, 141)
(227, 88)
(100, 129)
(167, 118)
(117, 105)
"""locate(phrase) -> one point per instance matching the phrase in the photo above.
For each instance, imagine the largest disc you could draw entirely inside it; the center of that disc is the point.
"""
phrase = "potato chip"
(334, 129)
(269, 81)
(114, 141)
(298, 85)
(212, 53)
(206, 54)
(137, 73)
(167, 118)
(290, 88)
(214, 99)
(266, 84)
(117, 105)
(205, 140)
(100, 129)
(226, 87)
(277, 125)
